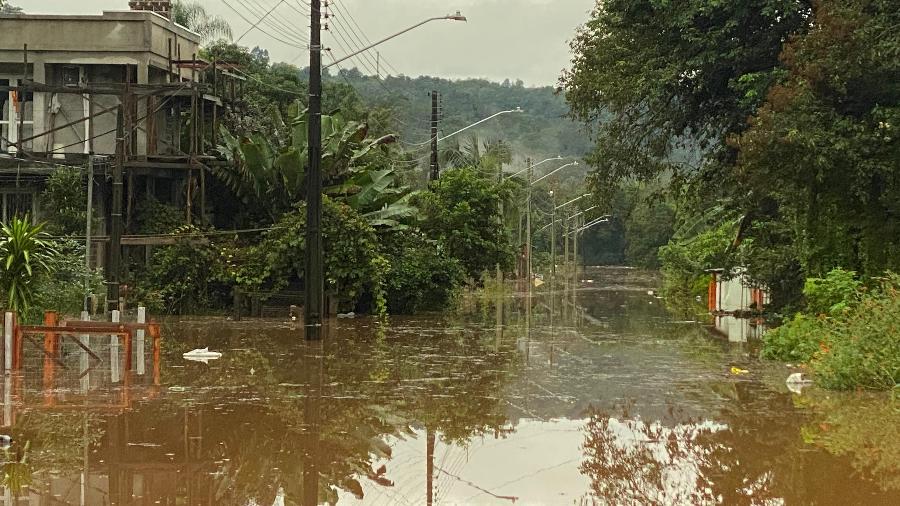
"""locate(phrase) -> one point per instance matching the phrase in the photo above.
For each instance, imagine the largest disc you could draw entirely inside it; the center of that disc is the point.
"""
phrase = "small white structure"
(735, 294)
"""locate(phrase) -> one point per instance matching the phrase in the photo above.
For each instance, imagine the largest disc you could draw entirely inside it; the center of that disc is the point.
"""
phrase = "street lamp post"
(314, 277)
(565, 234)
(530, 169)
(452, 17)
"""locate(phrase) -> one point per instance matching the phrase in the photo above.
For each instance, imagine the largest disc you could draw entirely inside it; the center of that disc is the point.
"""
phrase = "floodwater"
(605, 398)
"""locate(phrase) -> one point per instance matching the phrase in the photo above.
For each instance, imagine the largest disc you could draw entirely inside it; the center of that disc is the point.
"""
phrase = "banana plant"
(272, 175)
(379, 198)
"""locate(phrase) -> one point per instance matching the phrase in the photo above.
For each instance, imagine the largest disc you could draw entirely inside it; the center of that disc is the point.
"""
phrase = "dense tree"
(821, 154)
(655, 78)
(543, 129)
(462, 212)
(810, 179)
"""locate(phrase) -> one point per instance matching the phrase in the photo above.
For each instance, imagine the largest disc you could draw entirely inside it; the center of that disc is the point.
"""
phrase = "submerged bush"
(420, 277)
(857, 347)
(183, 278)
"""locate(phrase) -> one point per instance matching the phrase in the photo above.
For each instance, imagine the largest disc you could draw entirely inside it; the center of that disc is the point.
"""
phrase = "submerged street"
(610, 400)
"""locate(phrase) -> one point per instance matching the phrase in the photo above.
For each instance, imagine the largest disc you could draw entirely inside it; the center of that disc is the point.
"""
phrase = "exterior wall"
(99, 49)
(735, 294)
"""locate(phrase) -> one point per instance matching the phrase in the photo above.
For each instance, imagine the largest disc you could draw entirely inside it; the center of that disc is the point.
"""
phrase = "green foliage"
(540, 131)
(462, 212)
(826, 137)
(862, 345)
(684, 261)
(657, 77)
(153, 217)
(670, 87)
(63, 288)
(354, 267)
(63, 202)
(795, 341)
(184, 278)
(269, 175)
(858, 347)
(421, 276)
(837, 291)
(26, 256)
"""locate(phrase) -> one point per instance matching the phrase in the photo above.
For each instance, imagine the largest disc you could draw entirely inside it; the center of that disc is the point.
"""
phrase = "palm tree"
(191, 14)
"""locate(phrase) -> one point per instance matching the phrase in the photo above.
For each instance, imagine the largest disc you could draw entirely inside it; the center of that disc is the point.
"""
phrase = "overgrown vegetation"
(852, 340)
(776, 113)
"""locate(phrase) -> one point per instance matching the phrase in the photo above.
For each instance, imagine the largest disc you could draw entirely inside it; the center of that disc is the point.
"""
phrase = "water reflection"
(506, 400)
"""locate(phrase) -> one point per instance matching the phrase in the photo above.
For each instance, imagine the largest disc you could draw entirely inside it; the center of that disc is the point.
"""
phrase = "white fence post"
(139, 339)
(8, 342)
(114, 349)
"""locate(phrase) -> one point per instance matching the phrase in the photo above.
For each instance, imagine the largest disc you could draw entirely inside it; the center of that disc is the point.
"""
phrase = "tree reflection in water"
(762, 459)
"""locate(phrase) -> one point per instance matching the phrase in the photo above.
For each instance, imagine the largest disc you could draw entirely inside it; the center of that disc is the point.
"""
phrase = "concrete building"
(68, 83)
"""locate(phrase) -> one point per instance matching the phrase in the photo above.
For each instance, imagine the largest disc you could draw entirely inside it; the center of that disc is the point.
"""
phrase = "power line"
(274, 37)
(277, 23)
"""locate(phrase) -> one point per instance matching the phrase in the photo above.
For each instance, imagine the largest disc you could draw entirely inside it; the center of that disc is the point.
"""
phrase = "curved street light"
(545, 176)
(452, 17)
(557, 157)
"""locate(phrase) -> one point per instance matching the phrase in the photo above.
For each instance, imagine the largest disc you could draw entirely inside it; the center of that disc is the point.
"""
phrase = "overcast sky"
(516, 39)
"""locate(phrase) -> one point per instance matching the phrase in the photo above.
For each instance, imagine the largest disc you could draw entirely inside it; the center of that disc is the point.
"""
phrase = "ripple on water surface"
(592, 397)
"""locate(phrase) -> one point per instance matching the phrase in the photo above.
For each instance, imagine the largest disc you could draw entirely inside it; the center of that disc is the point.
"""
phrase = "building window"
(11, 112)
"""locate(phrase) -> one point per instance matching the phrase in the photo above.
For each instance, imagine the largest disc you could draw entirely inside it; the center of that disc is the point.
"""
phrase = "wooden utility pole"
(435, 168)
(314, 275)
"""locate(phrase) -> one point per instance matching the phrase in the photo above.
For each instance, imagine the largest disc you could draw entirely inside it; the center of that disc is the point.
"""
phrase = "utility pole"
(87, 229)
(500, 223)
(115, 236)
(552, 241)
(575, 256)
(566, 254)
(314, 275)
(528, 228)
(435, 169)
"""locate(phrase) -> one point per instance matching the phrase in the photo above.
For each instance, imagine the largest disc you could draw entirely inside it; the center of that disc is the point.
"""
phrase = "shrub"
(856, 347)
(420, 277)
(838, 290)
(63, 290)
(796, 340)
(63, 202)
(26, 254)
(185, 277)
(684, 262)
(462, 212)
(861, 348)
(354, 266)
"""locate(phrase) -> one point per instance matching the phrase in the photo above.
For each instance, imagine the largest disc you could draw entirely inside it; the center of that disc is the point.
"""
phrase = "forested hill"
(542, 130)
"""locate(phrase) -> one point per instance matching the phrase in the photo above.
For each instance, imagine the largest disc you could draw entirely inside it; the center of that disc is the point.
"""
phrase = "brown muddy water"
(610, 400)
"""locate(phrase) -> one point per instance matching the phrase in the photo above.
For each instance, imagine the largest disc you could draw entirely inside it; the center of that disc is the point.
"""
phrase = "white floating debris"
(351, 314)
(795, 382)
(202, 355)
